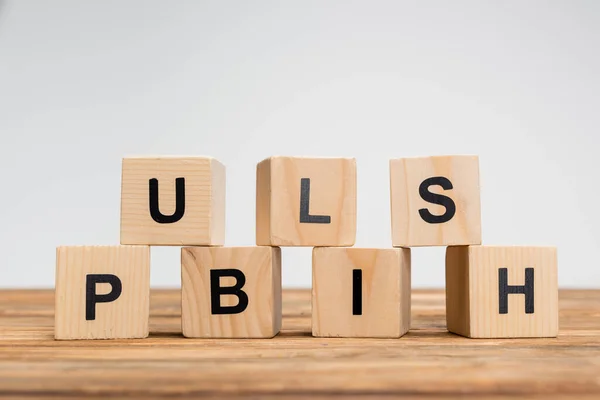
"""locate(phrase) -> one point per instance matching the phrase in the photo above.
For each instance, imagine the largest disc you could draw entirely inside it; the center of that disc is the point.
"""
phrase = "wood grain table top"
(428, 362)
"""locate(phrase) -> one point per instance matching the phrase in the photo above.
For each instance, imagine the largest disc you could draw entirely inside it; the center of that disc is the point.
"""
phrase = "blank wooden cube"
(360, 292)
(102, 292)
(306, 201)
(435, 201)
(502, 292)
(231, 292)
(173, 201)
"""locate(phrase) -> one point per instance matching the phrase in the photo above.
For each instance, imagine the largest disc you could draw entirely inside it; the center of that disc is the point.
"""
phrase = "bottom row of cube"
(102, 292)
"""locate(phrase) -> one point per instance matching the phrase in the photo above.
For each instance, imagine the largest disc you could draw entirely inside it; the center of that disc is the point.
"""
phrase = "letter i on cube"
(360, 292)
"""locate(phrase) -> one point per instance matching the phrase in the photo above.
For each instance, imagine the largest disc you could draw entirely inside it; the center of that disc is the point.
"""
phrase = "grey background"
(83, 84)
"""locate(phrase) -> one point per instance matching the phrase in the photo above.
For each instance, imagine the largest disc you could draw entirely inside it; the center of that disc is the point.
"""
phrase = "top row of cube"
(435, 201)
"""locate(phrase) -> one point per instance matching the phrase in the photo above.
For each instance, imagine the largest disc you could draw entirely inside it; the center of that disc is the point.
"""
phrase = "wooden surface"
(428, 362)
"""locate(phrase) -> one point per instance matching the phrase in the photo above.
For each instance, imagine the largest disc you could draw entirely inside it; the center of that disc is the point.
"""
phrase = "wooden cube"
(435, 201)
(231, 292)
(360, 292)
(306, 201)
(173, 201)
(502, 292)
(102, 292)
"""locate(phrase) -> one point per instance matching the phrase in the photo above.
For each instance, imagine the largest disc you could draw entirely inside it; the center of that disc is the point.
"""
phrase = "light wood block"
(306, 201)
(153, 213)
(231, 292)
(360, 292)
(502, 292)
(435, 201)
(102, 292)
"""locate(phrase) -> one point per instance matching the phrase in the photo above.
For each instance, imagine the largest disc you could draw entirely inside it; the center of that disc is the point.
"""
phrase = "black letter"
(216, 290)
(505, 289)
(357, 292)
(179, 202)
(91, 298)
(304, 205)
(437, 199)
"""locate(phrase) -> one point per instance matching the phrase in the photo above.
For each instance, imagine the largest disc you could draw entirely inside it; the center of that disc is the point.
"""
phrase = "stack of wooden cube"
(235, 292)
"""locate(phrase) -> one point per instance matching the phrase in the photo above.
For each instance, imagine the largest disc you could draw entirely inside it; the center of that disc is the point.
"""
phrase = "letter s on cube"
(435, 201)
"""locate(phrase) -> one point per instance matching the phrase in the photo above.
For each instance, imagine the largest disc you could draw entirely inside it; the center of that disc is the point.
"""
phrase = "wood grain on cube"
(421, 216)
(124, 317)
(261, 269)
(374, 302)
(200, 220)
(480, 305)
(306, 201)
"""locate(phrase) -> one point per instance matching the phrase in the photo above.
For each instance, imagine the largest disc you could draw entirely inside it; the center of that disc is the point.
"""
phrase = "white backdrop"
(83, 84)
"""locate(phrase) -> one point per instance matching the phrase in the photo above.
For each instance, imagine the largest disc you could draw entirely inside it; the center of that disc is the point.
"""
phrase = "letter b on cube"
(231, 292)
(435, 201)
(306, 201)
